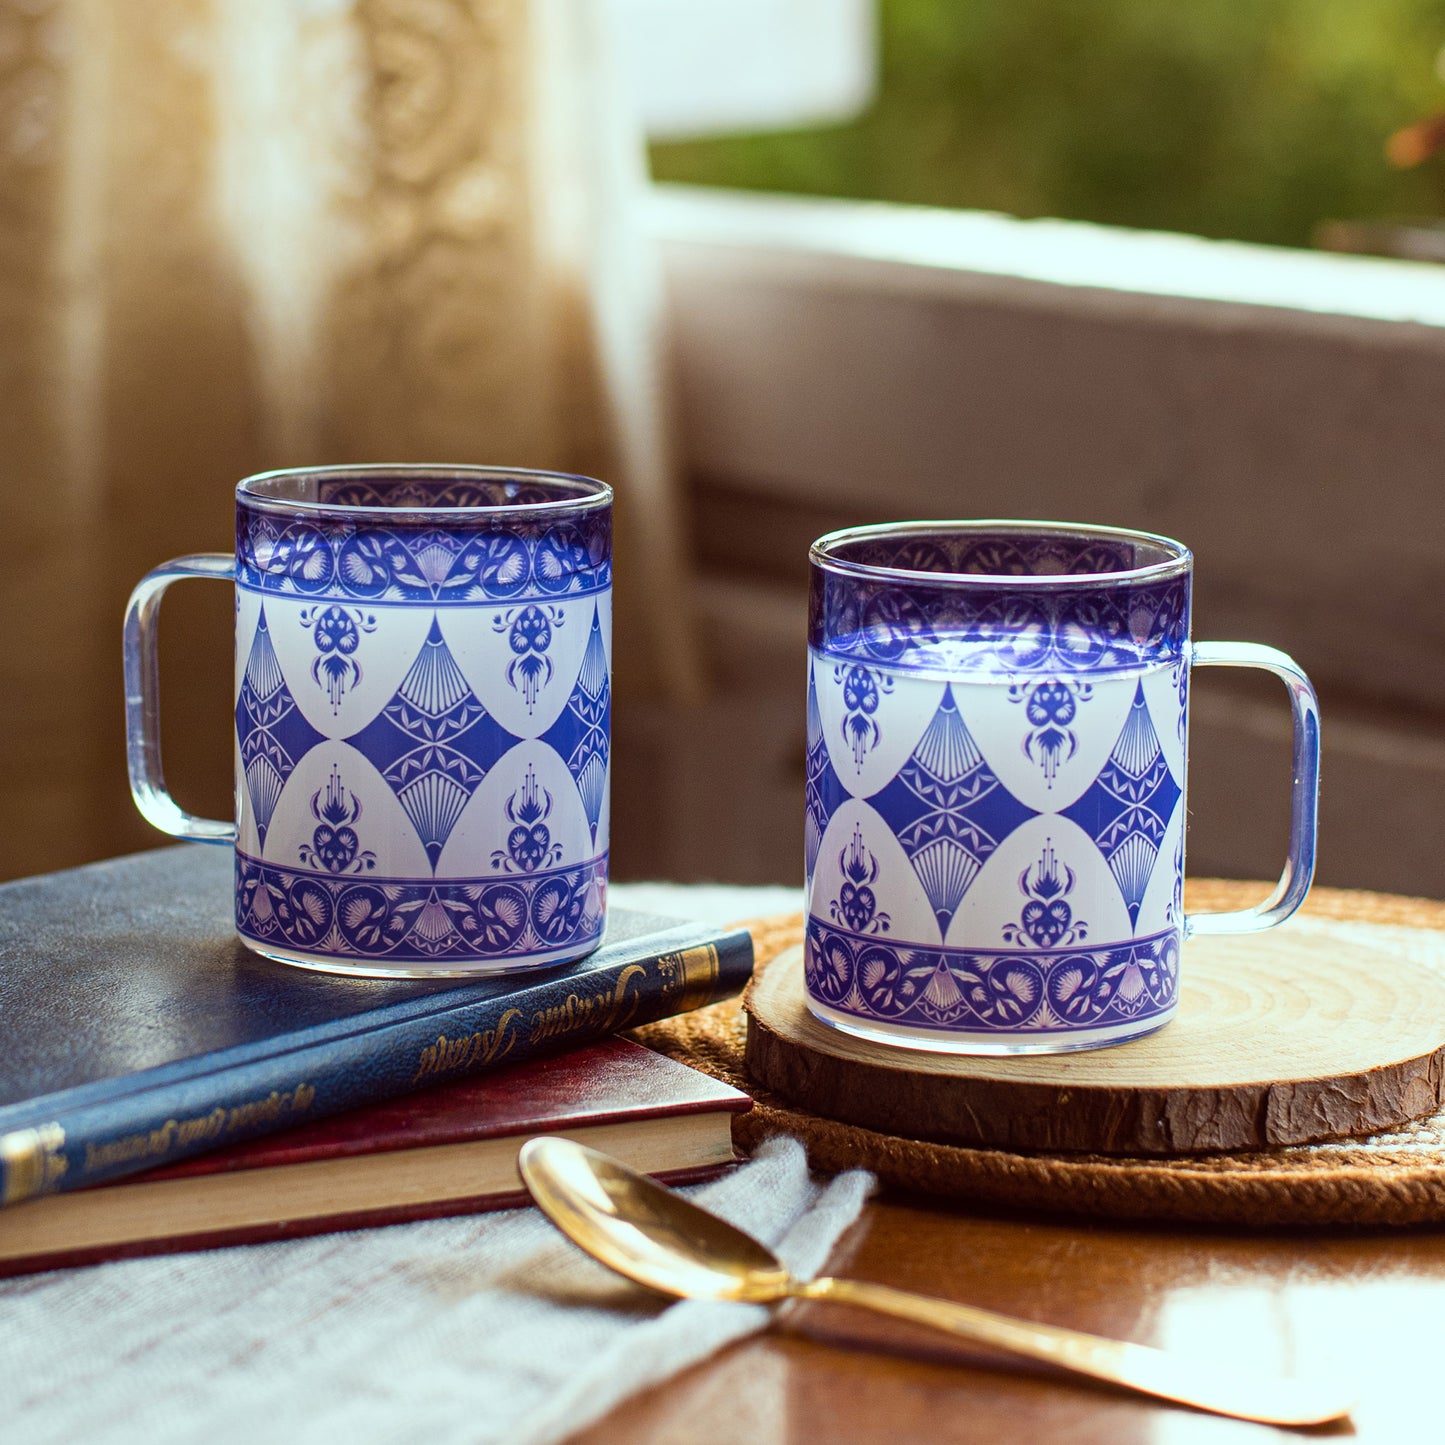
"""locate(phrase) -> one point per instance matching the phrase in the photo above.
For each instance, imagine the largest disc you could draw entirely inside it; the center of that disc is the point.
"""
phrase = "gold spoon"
(636, 1227)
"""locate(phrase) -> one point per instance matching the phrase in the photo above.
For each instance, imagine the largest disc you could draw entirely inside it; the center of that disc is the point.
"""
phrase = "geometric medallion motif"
(580, 734)
(1128, 807)
(949, 810)
(434, 743)
(272, 732)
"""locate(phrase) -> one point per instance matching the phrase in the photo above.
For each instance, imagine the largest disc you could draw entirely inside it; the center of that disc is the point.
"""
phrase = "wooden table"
(1367, 1306)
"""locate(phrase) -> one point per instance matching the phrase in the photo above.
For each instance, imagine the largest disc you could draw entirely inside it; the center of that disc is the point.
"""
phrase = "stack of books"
(163, 1088)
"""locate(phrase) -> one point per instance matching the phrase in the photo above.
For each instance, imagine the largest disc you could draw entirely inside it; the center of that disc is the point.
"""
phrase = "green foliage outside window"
(1251, 119)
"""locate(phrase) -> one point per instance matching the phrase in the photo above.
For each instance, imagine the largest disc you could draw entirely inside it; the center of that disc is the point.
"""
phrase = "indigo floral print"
(855, 906)
(1047, 920)
(404, 703)
(335, 846)
(862, 689)
(338, 636)
(1003, 877)
(1051, 705)
(529, 633)
(529, 844)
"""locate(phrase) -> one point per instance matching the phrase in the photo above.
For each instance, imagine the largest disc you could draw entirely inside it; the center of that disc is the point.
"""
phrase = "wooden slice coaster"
(1281, 1038)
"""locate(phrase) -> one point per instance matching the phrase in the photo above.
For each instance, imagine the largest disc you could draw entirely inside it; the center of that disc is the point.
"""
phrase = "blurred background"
(1253, 120)
(772, 267)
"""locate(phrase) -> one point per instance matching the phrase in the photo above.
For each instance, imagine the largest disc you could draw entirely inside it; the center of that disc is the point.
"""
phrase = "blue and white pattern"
(863, 688)
(825, 789)
(977, 991)
(422, 725)
(995, 796)
(1128, 807)
(856, 907)
(529, 635)
(948, 809)
(415, 924)
(272, 733)
(433, 743)
(951, 631)
(301, 558)
(964, 890)
(338, 633)
(1051, 704)
(335, 846)
(529, 844)
(1047, 919)
(582, 734)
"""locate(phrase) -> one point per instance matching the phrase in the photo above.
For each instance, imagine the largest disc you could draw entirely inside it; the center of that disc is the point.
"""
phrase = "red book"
(442, 1151)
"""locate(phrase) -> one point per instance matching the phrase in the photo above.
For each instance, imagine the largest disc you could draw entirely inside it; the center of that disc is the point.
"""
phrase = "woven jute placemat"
(1395, 1178)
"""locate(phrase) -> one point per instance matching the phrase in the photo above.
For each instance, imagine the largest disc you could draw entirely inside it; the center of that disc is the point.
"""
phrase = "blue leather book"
(136, 1030)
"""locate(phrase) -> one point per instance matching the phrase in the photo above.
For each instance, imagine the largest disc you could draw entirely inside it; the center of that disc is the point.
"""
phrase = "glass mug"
(997, 734)
(423, 704)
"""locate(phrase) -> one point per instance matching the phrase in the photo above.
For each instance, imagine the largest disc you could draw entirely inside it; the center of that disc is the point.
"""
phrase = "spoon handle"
(1135, 1367)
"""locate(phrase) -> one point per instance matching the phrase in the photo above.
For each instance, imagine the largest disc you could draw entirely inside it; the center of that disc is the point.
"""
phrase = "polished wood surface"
(1285, 1037)
(1362, 1305)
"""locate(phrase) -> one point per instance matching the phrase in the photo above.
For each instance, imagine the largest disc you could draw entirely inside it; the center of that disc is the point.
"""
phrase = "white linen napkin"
(474, 1330)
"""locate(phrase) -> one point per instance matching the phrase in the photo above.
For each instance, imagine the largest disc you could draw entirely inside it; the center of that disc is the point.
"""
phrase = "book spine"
(158, 1125)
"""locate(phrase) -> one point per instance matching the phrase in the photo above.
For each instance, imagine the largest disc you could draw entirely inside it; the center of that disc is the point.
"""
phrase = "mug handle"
(1299, 866)
(143, 699)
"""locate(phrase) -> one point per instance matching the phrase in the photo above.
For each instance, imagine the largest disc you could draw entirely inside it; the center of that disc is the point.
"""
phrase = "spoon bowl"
(635, 1226)
(657, 1238)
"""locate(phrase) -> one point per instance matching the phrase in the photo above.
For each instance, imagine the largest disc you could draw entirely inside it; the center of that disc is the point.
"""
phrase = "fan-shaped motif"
(942, 990)
(947, 749)
(434, 801)
(948, 809)
(946, 868)
(581, 736)
(264, 782)
(1138, 743)
(1132, 863)
(592, 787)
(1127, 809)
(433, 561)
(433, 922)
(434, 683)
(263, 668)
(271, 730)
(433, 743)
(592, 675)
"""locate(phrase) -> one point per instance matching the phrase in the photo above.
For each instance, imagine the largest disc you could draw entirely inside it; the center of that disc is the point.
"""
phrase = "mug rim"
(577, 493)
(822, 554)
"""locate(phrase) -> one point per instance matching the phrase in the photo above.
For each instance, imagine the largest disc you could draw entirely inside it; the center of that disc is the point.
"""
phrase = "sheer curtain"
(237, 234)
